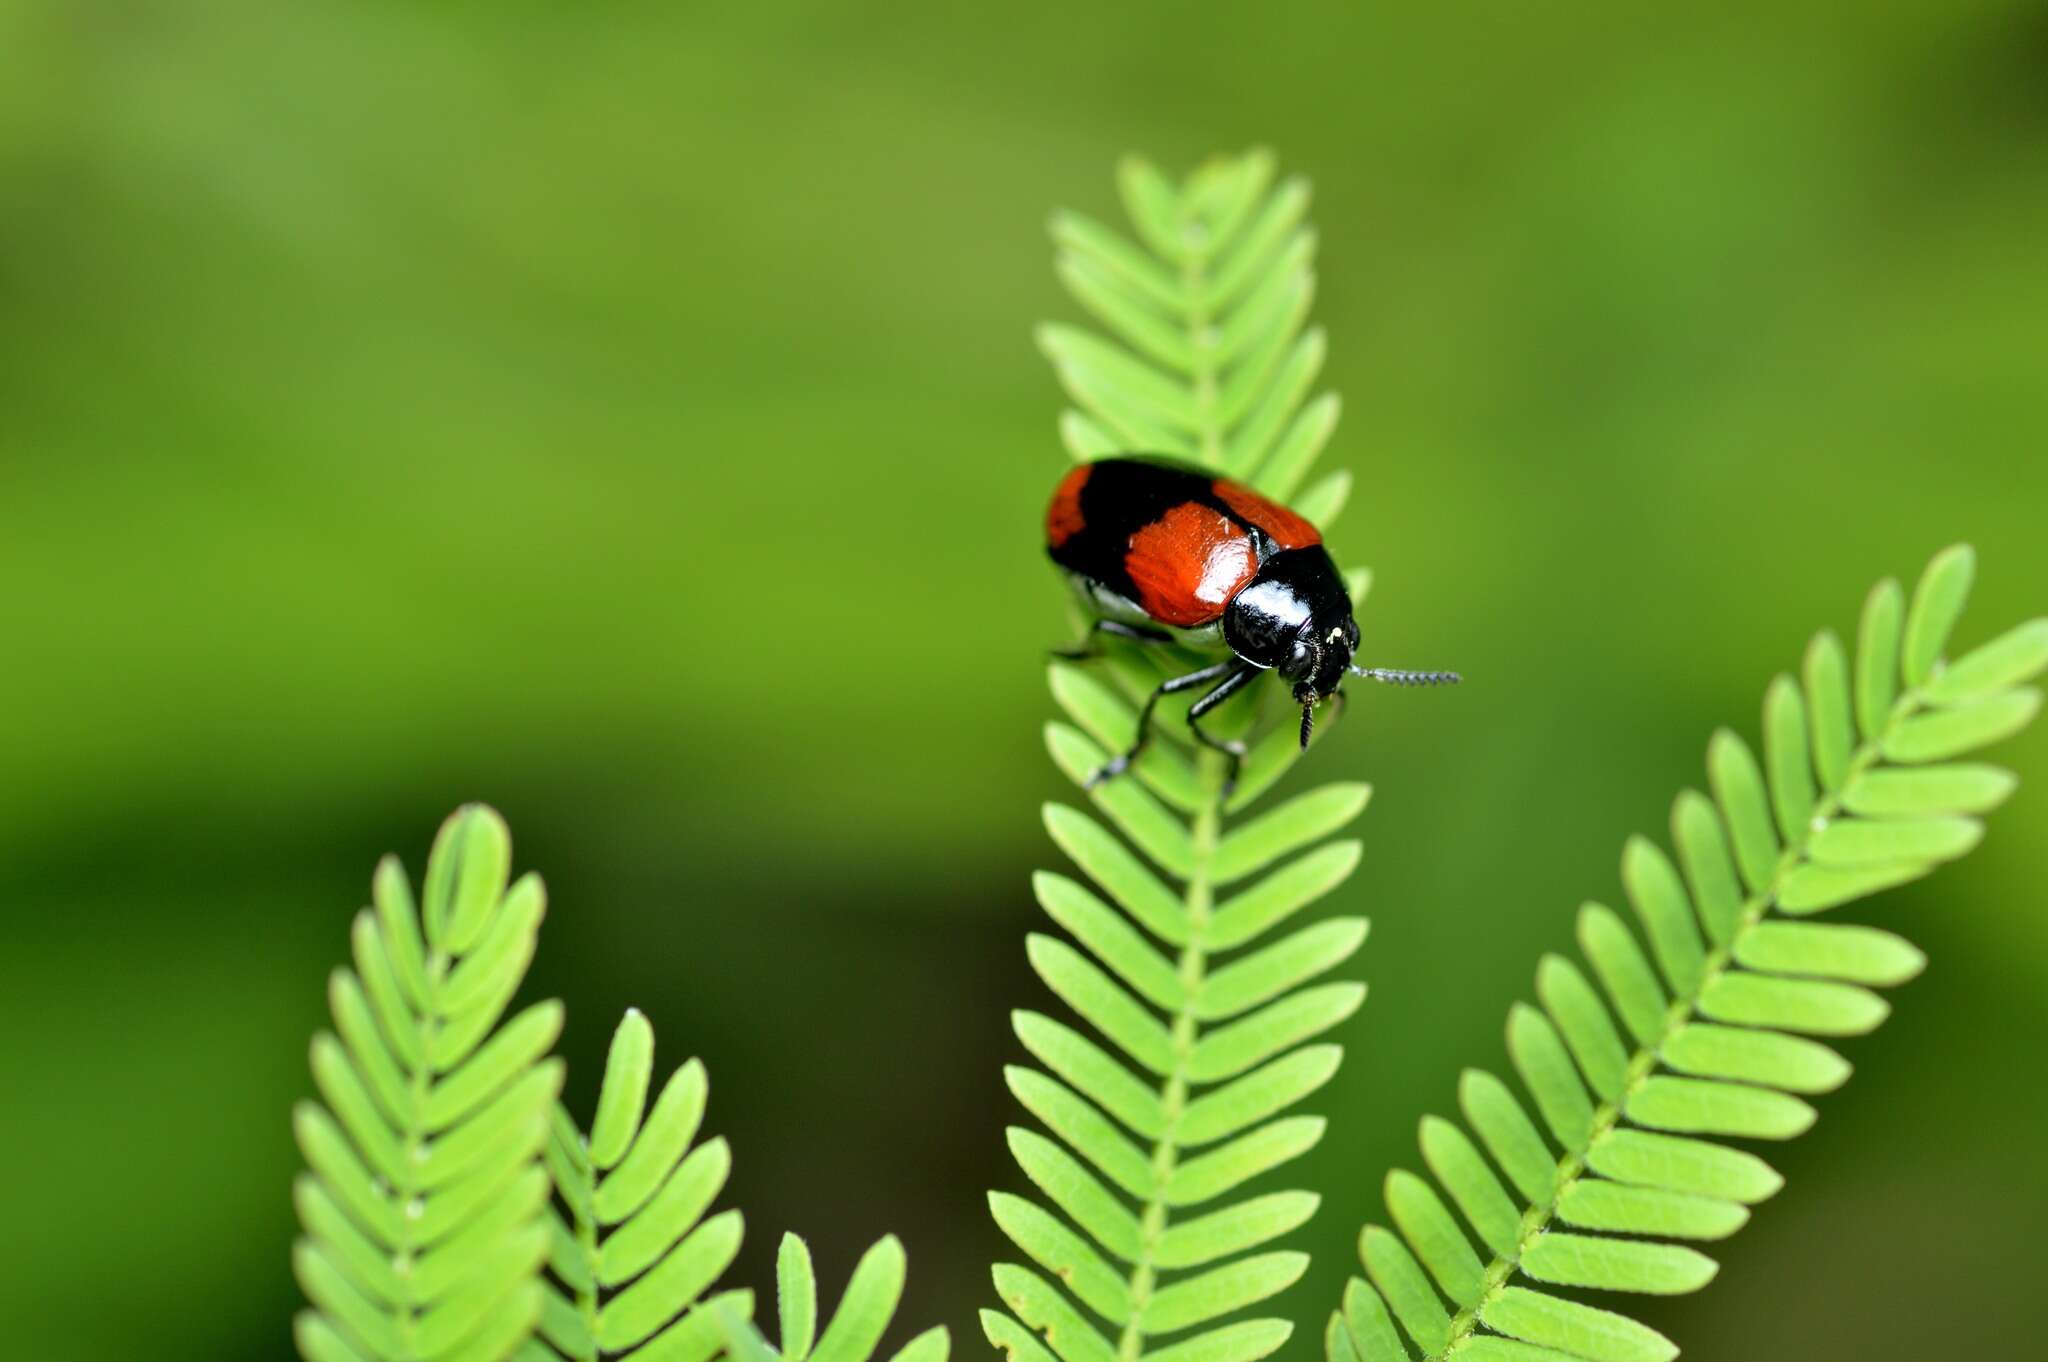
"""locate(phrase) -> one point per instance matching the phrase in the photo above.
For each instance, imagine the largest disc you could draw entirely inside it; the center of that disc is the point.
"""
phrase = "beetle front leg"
(1229, 747)
(1117, 765)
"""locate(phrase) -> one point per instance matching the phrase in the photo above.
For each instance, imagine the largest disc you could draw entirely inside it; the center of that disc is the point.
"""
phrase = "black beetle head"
(1317, 657)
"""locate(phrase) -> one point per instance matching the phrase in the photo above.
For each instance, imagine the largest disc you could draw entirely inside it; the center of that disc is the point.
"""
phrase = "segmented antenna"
(1308, 723)
(1393, 677)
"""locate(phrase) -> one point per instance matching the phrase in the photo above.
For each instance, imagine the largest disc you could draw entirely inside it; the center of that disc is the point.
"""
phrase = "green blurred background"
(625, 413)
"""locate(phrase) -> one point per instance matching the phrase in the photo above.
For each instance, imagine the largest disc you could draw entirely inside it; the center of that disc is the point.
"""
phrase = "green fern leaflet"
(1709, 1035)
(1143, 1243)
(424, 1207)
(855, 1328)
(637, 1251)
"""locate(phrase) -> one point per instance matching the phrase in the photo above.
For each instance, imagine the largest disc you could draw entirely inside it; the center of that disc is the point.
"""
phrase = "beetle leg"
(1085, 649)
(1117, 765)
(1229, 747)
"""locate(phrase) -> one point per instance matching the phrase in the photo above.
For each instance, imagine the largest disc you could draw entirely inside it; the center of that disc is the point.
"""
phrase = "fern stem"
(1173, 1094)
(586, 1296)
(1199, 897)
(1194, 278)
(409, 1191)
(1643, 1063)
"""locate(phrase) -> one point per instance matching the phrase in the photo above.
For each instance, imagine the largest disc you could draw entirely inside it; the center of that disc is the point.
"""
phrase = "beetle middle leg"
(1085, 649)
(1229, 747)
(1223, 671)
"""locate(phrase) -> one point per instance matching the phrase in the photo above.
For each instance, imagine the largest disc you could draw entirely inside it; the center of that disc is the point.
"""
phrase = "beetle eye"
(1351, 634)
(1300, 661)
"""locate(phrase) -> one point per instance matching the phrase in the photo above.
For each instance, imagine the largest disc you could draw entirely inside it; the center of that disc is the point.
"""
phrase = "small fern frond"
(1639, 1072)
(424, 1206)
(1205, 1021)
(854, 1329)
(636, 1253)
(1208, 359)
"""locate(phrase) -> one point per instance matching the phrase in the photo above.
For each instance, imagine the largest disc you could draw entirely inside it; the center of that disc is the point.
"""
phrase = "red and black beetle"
(1162, 552)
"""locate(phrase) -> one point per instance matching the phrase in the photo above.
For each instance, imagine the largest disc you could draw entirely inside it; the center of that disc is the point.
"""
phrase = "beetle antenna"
(1393, 677)
(1308, 723)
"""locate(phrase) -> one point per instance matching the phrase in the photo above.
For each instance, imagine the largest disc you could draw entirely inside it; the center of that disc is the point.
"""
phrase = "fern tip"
(1634, 850)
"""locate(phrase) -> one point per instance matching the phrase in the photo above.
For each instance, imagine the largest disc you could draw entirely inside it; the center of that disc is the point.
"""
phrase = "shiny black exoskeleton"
(1295, 618)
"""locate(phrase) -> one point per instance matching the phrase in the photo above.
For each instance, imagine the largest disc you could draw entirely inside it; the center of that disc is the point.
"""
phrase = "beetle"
(1162, 552)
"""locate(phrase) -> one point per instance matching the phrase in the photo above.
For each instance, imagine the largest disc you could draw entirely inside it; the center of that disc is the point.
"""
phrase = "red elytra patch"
(1063, 518)
(1187, 564)
(1287, 529)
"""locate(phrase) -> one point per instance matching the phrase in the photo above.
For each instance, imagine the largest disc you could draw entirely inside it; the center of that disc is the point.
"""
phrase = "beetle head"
(1318, 657)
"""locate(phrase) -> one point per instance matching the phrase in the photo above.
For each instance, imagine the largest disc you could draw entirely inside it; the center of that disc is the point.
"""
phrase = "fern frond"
(854, 1329)
(637, 1256)
(423, 1208)
(636, 1253)
(1639, 1073)
(1197, 1013)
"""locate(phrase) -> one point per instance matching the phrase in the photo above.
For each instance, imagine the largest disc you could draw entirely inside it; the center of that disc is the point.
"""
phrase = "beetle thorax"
(1295, 618)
